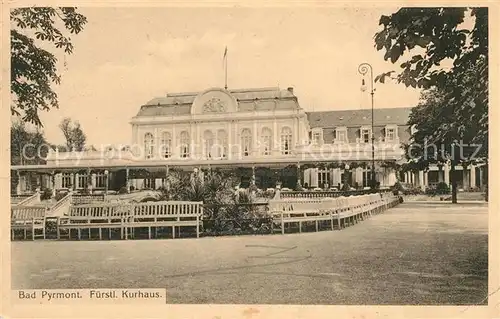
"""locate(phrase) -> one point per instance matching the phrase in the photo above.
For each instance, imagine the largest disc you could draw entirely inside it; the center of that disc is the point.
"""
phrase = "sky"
(127, 56)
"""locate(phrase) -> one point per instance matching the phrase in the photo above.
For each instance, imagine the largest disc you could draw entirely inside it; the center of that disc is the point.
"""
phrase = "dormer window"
(365, 134)
(391, 133)
(341, 135)
(317, 136)
(413, 129)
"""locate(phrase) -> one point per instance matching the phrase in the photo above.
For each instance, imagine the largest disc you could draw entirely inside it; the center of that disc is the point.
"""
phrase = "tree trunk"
(453, 178)
(485, 181)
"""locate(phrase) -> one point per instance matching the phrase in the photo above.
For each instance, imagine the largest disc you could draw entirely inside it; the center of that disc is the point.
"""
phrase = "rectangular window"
(413, 129)
(365, 135)
(82, 181)
(66, 180)
(323, 179)
(341, 135)
(390, 134)
(150, 183)
(317, 138)
(100, 180)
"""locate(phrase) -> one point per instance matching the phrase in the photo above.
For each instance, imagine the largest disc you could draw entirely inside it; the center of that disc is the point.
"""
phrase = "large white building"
(262, 134)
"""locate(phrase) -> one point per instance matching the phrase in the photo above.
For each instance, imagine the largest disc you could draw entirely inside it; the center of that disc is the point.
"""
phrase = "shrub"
(346, 187)
(60, 195)
(132, 188)
(123, 190)
(46, 194)
(442, 188)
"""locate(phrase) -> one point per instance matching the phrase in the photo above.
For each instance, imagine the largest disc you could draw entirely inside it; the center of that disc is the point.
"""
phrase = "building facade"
(262, 134)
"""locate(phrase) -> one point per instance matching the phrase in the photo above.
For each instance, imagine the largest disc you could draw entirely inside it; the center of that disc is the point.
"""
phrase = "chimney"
(290, 89)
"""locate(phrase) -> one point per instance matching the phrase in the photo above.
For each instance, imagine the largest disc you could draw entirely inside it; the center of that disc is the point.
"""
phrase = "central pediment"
(214, 100)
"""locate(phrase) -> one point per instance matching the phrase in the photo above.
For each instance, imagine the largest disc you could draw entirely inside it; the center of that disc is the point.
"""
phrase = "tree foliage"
(33, 68)
(439, 34)
(27, 146)
(449, 60)
(459, 92)
(73, 133)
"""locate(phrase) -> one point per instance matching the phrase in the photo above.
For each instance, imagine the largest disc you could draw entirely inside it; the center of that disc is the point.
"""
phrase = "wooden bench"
(95, 216)
(154, 215)
(28, 218)
(127, 217)
(298, 210)
(347, 210)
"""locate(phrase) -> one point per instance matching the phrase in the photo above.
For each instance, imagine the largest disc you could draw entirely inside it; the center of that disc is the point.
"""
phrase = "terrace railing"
(62, 207)
(29, 200)
(80, 199)
(16, 199)
(321, 194)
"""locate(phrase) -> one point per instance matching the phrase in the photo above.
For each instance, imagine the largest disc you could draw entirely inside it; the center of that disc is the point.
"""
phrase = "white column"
(337, 176)
(58, 180)
(307, 177)
(158, 183)
(392, 177)
(198, 150)
(421, 179)
(359, 176)
(230, 142)
(275, 148)
(127, 177)
(236, 151)
(255, 151)
(174, 150)
(480, 177)
(140, 183)
(93, 180)
(383, 179)
(314, 177)
(156, 143)
(295, 133)
(472, 176)
(18, 186)
(446, 169)
(426, 178)
(465, 178)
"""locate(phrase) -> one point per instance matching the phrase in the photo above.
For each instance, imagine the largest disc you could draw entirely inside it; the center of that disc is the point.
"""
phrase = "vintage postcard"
(250, 160)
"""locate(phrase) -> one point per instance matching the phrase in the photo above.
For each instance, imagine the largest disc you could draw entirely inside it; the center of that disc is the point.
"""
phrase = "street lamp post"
(106, 176)
(346, 177)
(363, 69)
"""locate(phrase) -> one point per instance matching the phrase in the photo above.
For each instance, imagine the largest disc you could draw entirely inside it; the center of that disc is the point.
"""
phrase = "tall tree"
(73, 133)
(27, 146)
(33, 68)
(456, 106)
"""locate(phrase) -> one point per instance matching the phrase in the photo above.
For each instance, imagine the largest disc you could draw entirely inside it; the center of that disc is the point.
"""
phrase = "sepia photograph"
(331, 155)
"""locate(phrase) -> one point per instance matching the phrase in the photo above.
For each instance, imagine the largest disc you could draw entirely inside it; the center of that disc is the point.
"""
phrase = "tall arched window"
(266, 139)
(166, 144)
(222, 144)
(246, 142)
(208, 138)
(149, 146)
(184, 144)
(286, 140)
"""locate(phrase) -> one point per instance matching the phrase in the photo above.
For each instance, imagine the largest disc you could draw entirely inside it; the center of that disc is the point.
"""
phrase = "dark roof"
(258, 99)
(350, 118)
